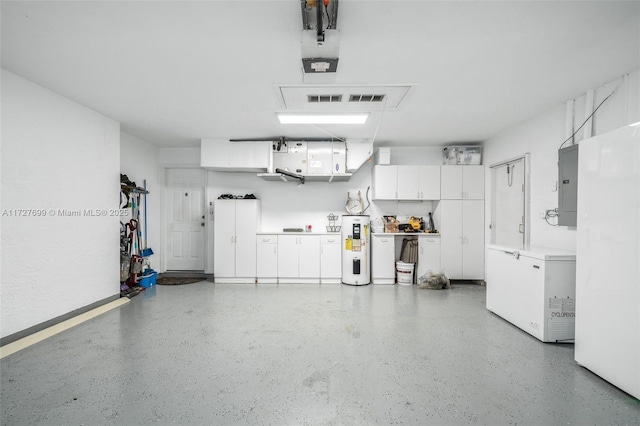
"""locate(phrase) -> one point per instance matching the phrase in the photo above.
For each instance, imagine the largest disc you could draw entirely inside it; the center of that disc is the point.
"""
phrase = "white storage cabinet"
(385, 182)
(299, 258)
(267, 258)
(232, 156)
(235, 225)
(330, 259)
(461, 225)
(383, 254)
(418, 183)
(534, 289)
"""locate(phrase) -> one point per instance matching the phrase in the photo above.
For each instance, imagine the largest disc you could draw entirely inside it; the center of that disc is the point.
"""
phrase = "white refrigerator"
(607, 337)
(356, 268)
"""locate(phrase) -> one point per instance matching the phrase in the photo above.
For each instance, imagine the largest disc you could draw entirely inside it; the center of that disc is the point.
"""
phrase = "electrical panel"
(568, 186)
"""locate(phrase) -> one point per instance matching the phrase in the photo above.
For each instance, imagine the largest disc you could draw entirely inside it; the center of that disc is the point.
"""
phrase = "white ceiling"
(175, 72)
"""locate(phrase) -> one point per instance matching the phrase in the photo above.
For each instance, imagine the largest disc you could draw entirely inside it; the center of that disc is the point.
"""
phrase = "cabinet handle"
(275, 249)
(383, 240)
(232, 239)
(536, 267)
(331, 240)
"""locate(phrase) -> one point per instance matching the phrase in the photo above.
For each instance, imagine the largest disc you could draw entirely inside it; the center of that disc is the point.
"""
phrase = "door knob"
(202, 224)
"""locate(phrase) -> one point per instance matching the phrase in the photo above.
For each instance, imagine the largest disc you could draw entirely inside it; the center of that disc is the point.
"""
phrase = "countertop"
(406, 234)
(296, 233)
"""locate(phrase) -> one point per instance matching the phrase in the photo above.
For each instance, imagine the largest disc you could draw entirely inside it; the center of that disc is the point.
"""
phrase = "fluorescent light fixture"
(322, 118)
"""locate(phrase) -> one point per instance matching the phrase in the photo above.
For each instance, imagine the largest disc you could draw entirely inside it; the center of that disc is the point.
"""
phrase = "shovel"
(146, 251)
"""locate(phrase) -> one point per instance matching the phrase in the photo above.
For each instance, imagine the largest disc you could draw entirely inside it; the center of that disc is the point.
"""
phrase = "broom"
(146, 251)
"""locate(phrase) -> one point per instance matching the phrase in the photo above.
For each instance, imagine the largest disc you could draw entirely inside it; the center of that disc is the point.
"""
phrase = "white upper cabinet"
(222, 155)
(462, 183)
(385, 181)
(429, 182)
(406, 182)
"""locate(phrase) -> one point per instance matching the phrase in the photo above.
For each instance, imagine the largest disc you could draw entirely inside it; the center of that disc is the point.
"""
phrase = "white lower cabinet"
(330, 259)
(267, 258)
(428, 255)
(383, 268)
(299, 258)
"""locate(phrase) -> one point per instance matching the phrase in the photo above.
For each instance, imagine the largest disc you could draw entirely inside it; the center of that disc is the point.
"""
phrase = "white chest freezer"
(534, 289)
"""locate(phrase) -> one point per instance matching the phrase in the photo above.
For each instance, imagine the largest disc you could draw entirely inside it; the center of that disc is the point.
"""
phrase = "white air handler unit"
(356, 269)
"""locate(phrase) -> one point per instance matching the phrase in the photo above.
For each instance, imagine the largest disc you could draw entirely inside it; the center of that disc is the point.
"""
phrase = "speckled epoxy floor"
(220, 354)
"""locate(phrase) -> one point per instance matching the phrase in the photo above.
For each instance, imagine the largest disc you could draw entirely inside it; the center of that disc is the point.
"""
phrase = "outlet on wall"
(554, 186)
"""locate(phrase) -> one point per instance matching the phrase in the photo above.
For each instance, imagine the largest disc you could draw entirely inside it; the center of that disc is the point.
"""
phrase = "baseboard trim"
(57, 320)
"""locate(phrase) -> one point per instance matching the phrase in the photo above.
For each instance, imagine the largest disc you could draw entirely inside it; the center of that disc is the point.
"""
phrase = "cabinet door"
(224, 226)
(451, 237)
(451, 182)
(267, 256)
(288, 256)
(473, 239)
(429, 182)
(309, 256)
(385, 179)
(472, 182)
(408, 182)
(249, 156)
(246, 217)
(428, 255)
(383, 255)
(330, 257)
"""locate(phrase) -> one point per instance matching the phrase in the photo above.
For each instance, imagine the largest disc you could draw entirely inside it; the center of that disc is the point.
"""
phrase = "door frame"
(526, 158)
(208, 228)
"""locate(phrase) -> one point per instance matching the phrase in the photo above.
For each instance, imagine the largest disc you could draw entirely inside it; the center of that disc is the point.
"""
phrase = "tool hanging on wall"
(146, 251)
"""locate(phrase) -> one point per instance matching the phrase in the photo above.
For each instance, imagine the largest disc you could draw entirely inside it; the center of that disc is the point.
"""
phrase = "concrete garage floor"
(223, 354)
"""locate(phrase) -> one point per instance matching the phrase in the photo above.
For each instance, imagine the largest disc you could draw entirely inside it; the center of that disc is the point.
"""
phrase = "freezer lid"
(547, 254)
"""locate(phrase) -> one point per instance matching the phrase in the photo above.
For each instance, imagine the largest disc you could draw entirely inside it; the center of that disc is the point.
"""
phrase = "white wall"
(56, 155)
(140, 160)
(542, 136)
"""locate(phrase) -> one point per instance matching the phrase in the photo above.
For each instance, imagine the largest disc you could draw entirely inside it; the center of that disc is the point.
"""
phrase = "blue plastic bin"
(148, 278)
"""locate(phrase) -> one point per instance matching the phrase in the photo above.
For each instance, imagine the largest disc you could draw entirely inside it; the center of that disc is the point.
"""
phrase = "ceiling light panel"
(322, 118)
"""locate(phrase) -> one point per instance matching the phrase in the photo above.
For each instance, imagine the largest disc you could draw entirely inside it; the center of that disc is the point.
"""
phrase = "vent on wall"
(366, 98)
(324, 98)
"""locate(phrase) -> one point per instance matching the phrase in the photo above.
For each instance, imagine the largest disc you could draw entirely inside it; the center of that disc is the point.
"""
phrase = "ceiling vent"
(342, 98)
(366, 98)
(324, 98)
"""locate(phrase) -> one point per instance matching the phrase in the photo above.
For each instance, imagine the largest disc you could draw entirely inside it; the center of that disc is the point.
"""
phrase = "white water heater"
(356, 268)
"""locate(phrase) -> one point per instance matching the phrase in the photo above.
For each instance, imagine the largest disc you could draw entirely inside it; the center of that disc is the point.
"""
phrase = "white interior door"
(508, 209)
(184, 212)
